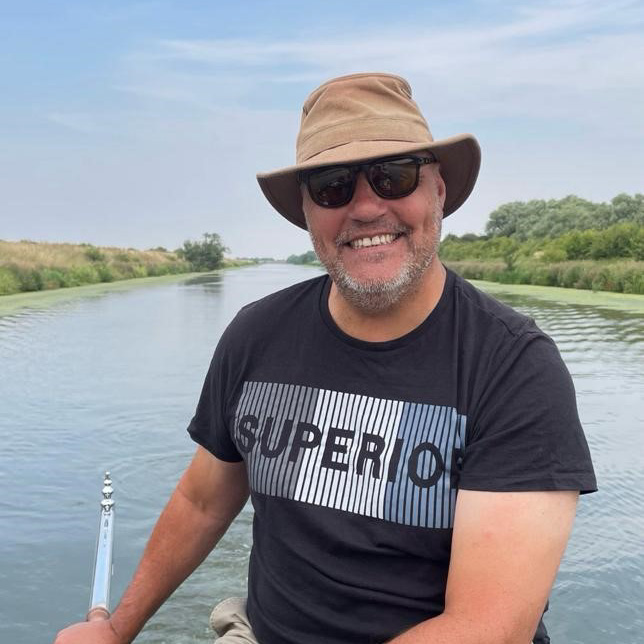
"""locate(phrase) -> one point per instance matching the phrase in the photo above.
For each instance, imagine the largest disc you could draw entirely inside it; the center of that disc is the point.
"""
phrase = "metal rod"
(99, 605)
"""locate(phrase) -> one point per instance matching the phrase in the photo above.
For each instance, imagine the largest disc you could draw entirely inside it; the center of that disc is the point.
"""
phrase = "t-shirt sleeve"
(209, 426)
(526, 434)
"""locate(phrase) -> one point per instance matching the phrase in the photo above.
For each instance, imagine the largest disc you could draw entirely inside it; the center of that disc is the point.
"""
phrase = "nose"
(365, 205)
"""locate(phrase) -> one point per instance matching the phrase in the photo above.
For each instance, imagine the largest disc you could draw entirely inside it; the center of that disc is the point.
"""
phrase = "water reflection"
(110, 383)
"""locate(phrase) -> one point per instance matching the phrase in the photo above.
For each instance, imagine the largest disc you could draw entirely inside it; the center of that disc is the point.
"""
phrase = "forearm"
(506, 548)
(448, 629)
(180, 541)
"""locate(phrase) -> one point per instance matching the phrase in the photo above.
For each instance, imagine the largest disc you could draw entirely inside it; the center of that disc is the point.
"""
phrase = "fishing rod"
(99, 605)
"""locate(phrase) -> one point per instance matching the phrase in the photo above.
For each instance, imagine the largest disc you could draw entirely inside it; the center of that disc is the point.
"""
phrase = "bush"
(29, 266)
(305, 258)
(553, 254)
(206, 255)
(140, 271)
(30, 280)
(625, 276)
(9, 283)
(53, 278)
(105, 273)
(570, 275)
(79, 275)
(633, 282)
(94, 254)
(613, 242)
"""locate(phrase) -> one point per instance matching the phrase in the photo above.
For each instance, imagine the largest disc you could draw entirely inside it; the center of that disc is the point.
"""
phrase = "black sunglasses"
(389, 178)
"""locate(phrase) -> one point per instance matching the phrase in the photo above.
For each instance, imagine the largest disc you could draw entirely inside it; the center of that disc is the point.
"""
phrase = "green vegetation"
(620, 277)
(31, 266)
(11, 304)
(539, 219)
(305, 258)
(617, 301)
(569, 242)
(207, 255)
(28, 266)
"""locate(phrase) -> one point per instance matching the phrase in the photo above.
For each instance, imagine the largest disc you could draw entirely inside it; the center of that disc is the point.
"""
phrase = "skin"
(195, 518)
(418, 216)
(506, 547)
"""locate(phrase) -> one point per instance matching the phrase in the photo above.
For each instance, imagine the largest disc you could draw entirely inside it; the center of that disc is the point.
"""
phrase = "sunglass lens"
(394, 178)
(331, 187)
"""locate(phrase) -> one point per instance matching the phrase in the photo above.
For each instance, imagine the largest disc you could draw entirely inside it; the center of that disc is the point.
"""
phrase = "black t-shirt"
(355, 451)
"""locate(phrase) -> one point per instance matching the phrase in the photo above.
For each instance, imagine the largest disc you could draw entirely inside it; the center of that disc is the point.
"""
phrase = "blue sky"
(143, 123)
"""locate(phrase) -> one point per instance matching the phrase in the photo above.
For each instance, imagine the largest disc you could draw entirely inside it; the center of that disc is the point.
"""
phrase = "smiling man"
(375, 261)
(411, 446)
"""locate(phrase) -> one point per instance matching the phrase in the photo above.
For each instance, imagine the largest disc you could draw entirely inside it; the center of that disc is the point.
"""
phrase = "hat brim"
(459, 157)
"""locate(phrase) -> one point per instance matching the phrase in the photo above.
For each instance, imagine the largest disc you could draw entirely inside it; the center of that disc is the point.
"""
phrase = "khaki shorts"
(230, 621)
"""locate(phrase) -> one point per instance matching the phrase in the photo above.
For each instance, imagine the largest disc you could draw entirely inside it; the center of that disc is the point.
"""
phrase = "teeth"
(377, 240)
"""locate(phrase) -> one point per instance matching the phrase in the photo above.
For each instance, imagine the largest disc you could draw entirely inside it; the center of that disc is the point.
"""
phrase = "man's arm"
(506, 549)
(207, 498)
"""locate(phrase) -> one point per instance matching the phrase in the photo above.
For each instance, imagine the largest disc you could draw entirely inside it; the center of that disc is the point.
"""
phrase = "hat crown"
(360, 107)
(355, 118)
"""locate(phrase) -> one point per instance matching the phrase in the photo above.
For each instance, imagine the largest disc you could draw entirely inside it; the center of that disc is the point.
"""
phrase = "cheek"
(322, 232)
(324, 224)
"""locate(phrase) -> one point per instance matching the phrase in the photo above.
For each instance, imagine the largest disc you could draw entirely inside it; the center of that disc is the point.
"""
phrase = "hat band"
(372, 129)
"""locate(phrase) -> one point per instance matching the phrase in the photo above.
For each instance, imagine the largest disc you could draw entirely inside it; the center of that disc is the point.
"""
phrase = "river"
(110, 382)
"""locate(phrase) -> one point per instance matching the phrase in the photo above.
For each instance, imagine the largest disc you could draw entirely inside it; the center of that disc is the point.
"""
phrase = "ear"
(441, 188)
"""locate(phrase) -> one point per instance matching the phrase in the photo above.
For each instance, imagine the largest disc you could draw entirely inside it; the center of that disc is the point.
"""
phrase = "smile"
(376, 240)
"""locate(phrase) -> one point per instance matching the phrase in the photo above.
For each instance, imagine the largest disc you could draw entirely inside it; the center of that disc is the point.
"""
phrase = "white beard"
(378, 295)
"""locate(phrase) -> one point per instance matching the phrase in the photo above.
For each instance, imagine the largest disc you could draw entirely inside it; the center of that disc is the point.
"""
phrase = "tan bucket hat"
(364, 116)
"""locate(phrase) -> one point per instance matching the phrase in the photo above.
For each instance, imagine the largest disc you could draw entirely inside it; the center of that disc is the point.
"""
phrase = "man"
(411, 446)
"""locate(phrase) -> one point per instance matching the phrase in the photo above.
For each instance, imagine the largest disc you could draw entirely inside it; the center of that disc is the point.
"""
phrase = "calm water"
(111, 382)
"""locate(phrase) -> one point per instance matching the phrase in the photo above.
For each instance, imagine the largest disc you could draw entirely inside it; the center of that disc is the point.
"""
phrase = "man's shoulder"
(488, 312)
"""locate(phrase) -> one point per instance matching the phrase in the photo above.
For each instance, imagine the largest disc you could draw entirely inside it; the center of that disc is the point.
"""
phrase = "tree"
(206, 255)
(305, 258)
(539, 219)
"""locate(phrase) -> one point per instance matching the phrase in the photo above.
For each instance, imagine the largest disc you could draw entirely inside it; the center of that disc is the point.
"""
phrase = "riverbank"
(617, 301)
(12, 304)
(615, 276)
(27, 266)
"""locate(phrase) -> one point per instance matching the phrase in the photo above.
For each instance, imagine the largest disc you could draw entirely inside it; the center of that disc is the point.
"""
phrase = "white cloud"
(81, 122)
(554, 92)
(577, 59)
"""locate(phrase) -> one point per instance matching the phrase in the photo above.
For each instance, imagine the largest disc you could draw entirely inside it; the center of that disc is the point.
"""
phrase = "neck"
(392, 323)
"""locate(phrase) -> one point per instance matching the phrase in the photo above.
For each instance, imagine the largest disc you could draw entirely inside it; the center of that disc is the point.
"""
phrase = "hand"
(96, 632)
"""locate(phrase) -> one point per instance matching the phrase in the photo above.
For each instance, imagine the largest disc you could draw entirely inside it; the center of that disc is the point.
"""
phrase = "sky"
(143, 123)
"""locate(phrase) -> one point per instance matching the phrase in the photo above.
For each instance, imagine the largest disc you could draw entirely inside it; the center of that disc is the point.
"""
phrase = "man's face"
(377, 251)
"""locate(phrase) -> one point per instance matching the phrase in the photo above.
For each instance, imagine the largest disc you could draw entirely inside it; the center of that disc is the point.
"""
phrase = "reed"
(625, 276)
(31, 266)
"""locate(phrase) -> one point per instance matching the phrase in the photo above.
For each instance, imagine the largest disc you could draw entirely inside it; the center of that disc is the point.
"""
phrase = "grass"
(11, 304)
(30, 267)
(617, 301)
(618, 276)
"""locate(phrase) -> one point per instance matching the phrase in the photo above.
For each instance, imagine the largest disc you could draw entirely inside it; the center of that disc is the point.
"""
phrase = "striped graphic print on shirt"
(380, 458)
